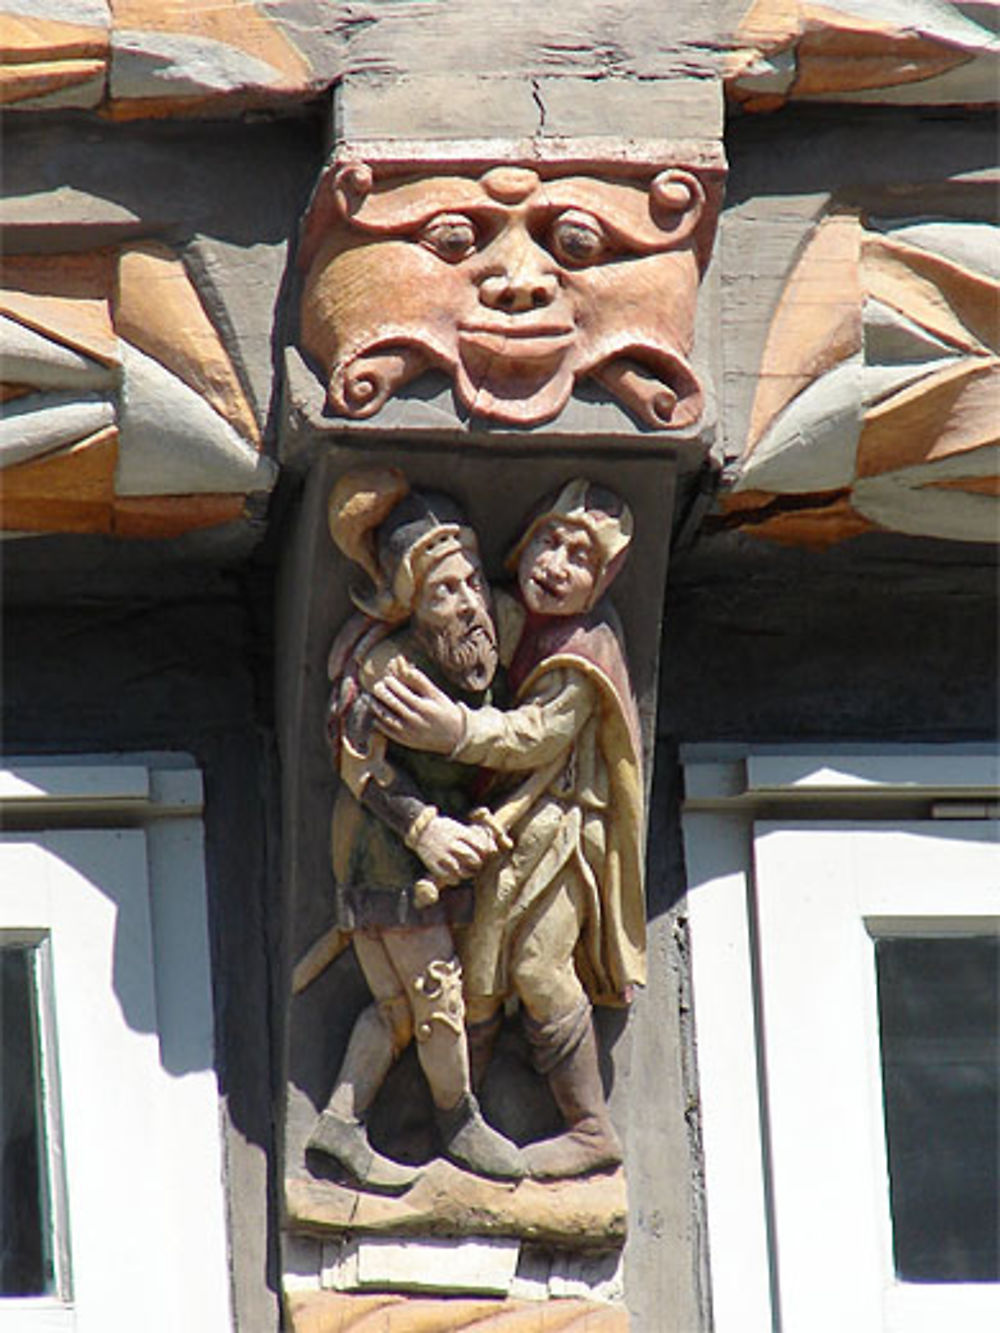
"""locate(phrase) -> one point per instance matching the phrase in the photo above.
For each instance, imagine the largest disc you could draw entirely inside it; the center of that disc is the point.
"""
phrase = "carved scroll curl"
(360, 387)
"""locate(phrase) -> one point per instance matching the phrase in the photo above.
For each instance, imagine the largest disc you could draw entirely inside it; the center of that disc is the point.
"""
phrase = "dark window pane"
(25, 1266)
(939, 1001)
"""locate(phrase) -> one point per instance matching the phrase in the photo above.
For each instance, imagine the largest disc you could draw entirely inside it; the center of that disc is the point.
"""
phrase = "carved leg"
(565, 1051)
(435, 990)
(340, 1131)
(441, 1045)
(559, 1024)
(482, 1027)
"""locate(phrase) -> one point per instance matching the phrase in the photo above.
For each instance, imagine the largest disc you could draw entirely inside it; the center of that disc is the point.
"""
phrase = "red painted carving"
(515, 283)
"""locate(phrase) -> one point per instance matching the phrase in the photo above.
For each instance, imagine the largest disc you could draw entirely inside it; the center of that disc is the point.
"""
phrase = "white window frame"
(47, 1312)
(727, 791)
(106, 862)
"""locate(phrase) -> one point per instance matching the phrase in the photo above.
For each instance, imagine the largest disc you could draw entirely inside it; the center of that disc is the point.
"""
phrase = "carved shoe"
(347, 1142)
(590, 1143)
(589, 1146)
(471, 1143)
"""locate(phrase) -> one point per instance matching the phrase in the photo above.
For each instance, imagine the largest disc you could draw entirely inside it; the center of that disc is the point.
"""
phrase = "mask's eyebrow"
(348, 195)
(642, 219)
(402, 209)
(622, 209)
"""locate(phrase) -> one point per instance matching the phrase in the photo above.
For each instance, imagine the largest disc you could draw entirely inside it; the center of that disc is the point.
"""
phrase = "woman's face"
(558, 570)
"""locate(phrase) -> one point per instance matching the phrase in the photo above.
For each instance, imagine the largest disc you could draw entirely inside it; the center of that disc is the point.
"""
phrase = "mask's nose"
(519, 277)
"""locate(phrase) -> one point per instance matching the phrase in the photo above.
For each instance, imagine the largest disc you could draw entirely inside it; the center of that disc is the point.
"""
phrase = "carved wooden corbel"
(517, 279)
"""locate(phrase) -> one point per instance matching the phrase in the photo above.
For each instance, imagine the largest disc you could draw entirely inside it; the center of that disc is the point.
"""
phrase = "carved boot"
(439, 1025)
(340, 1132)
(471, 1143)
(590, 1142)
(347, 1141)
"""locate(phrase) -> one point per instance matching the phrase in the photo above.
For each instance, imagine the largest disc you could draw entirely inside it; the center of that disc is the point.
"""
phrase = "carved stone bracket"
(464, 948)
(563, 1208)
(125, 414)
(518, 278)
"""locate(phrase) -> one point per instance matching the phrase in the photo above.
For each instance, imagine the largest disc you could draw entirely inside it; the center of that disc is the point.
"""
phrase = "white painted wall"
(783, 916)
(136, 1134)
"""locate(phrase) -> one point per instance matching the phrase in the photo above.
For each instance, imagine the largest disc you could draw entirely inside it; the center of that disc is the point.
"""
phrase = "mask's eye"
(449, 235)
(577, 238)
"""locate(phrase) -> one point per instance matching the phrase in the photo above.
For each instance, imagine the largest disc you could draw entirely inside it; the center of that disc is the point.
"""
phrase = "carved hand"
(412, 711)
(453, 851)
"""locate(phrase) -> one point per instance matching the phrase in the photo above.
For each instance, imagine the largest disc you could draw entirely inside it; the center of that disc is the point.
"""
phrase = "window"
(112, 1201)
(938, 1018)
(845, 917)
(27, 1232)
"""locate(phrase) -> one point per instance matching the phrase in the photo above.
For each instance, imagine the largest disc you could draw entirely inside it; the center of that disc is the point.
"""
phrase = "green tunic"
(374, 870)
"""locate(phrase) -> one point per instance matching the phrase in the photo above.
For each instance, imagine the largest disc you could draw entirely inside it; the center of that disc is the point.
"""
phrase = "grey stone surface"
(320, 29)
(497, 105)
(971, 244)
(544, 1273)
(158, 64)
(666, 1254)
(242, 286)
(757, 245)
(82, 96)
(595, 38)
(427, 411)
(32, 358)
(229, 197)
(40, 219)
(93, 13)
(245, 183)
(434, 106)
(969, 84)
(812, 444)
(667, 108)
(45, 422)
(382, 1263)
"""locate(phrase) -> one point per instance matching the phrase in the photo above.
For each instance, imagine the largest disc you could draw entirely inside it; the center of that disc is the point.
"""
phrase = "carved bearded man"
(399, 819)
(560, 917)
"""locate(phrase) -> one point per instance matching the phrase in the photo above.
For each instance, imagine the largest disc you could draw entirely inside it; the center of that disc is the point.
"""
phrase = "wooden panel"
(330, 1312)
(72, 491)
(159, 516)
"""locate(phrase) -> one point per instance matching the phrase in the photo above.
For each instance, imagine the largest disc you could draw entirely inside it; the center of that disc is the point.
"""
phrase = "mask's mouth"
(518, 326)
(516, 341)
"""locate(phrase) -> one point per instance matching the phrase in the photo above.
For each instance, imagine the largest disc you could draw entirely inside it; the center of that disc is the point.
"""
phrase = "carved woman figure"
(560, 916)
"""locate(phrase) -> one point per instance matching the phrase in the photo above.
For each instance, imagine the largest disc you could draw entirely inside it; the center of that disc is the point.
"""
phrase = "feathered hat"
(397, 535)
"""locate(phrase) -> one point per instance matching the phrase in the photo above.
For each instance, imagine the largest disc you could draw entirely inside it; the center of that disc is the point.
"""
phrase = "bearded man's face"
(453, 619)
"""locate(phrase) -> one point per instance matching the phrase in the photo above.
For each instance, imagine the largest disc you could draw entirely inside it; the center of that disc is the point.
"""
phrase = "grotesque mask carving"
(515, 284)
